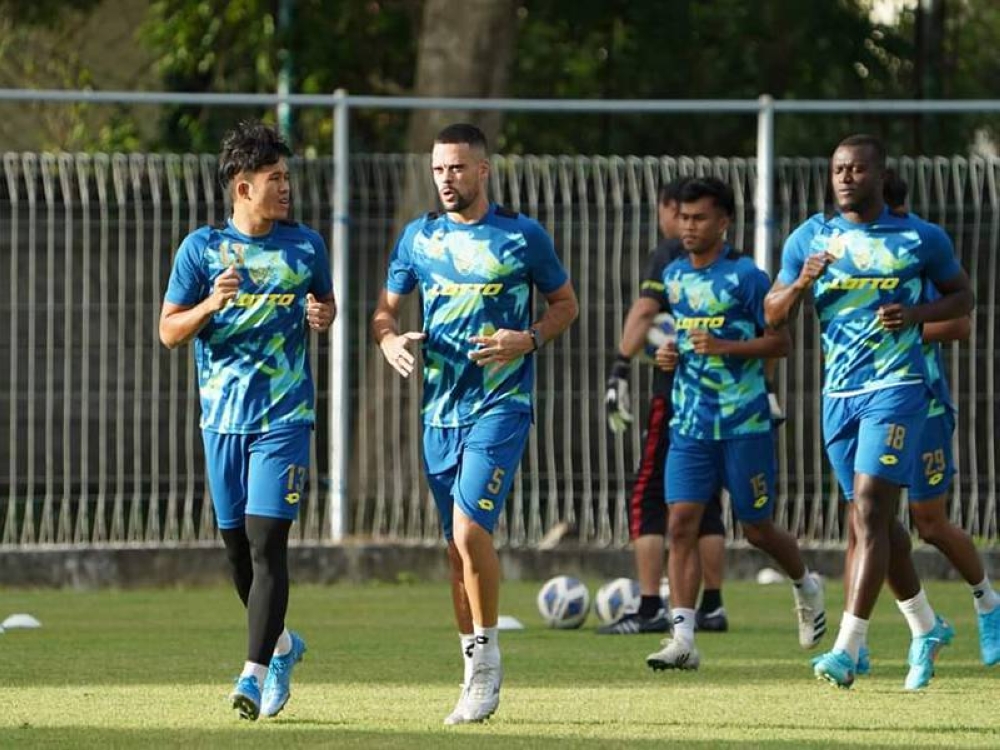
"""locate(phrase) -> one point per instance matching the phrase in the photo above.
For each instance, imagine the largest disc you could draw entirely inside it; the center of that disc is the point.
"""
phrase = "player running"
(721, 432)
(475, 265)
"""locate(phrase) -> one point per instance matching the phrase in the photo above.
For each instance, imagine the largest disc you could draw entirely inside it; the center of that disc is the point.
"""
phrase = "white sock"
(259, 671)
(284, 643)
(852, 635)
(487, 646)
(986, 599)
(918, 613)
(468, 641)
(806, 585)
(683, 630)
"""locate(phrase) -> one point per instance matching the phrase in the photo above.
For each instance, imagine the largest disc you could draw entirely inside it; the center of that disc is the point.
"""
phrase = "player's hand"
(895, 317)
(394, 349)
(616, 399)
(666, 356)
(225, 289)
(500, 348)
(703, 342)
(319, 315)
(814, 267)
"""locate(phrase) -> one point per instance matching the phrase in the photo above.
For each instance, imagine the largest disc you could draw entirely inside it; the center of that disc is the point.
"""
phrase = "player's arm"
(774, 342)
(385, 322)
(958, 329)
(781, 305)
(181, 323)
(956, 301)
(616, 398)
(506, 345)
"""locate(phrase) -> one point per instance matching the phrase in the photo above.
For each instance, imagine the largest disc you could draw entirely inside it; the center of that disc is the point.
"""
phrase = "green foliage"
(42, 12)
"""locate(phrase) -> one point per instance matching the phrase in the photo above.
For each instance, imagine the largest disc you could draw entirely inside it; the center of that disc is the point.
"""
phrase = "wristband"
(536, 341)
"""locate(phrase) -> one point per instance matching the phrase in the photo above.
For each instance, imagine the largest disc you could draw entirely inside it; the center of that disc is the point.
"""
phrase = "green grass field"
(152, 668)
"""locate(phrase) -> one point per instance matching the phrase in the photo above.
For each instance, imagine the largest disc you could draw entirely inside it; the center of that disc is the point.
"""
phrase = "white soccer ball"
(616, 598)
(563, 602)
(769, 576)
(662, 331)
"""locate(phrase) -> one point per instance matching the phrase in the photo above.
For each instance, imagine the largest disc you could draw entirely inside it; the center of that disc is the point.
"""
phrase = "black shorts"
(648, 506)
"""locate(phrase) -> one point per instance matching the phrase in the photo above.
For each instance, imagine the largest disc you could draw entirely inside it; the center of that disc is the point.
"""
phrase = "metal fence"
(102, 443)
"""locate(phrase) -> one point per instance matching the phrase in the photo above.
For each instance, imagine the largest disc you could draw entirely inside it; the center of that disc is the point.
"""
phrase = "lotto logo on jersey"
(864, 282)
(252, 300)
(687, 324)
(455, 290)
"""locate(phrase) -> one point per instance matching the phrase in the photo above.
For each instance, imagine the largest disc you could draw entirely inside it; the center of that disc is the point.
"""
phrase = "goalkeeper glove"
(617, 398)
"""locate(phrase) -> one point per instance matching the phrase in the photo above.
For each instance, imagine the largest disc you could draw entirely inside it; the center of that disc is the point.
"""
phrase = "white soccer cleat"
(811, 614)
(675, 654)
(481, 696)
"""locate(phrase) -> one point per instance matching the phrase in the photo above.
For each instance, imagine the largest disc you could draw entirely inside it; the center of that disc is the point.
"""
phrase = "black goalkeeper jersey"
(651, 286)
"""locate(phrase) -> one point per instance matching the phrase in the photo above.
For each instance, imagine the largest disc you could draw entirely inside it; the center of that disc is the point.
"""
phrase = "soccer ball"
(616, 598)
(563, 602)
(662, 331)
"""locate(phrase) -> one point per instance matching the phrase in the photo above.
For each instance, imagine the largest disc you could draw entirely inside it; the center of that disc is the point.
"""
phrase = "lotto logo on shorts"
(486, 504)
(292, 498)
(888, 460)
(935, 479)
(760, 502)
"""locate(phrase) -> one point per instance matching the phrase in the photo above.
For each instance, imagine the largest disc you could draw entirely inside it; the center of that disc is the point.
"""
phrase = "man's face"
(668, 216)
(702, 225)
(856, 178)
(459, 174)
(268, 191)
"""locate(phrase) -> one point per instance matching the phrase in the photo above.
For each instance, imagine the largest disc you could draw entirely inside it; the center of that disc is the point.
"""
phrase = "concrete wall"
(129, 567)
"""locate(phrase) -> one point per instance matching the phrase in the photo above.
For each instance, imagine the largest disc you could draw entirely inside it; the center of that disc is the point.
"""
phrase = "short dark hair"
(871, 141)
(249, 147)
(709, 187)
(463, 132)
(894, 189)
(670, 192)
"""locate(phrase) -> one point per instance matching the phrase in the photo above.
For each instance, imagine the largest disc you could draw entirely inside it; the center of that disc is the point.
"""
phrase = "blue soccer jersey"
(718, 397)
(253, 370)
(876, 264)
(474, 279)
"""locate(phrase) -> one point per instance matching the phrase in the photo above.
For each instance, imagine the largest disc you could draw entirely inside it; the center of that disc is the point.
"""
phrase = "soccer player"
(475, 265)
(721, 431)
(933, 472)
(247, 293)
(866, 268)
(647, 507)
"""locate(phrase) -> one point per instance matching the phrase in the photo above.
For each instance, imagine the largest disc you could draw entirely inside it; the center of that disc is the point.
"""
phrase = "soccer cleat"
(711, 622)
(989, 637)
(835, 667)
(674, 655)
(633, 623)
(480, 698)
(864, 665)
(923, 652)
(277, 686)
(811, 615)
(246, 697)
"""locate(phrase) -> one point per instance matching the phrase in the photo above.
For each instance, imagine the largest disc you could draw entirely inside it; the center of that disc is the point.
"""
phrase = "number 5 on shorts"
(496, 483)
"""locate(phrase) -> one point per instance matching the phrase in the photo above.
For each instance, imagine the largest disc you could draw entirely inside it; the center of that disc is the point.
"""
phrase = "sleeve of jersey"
(546, 270)
(754, 285)
(941, 262)
(322, 280)
(189, 283)
(400, 278)
(652, 279)
(793, 256)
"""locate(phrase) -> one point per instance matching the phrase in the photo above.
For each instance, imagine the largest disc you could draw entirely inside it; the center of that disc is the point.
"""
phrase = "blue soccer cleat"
(989, 637)
(864, 665)
(246, 697)
(923, 651)
(836, 667)
(277, 686)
